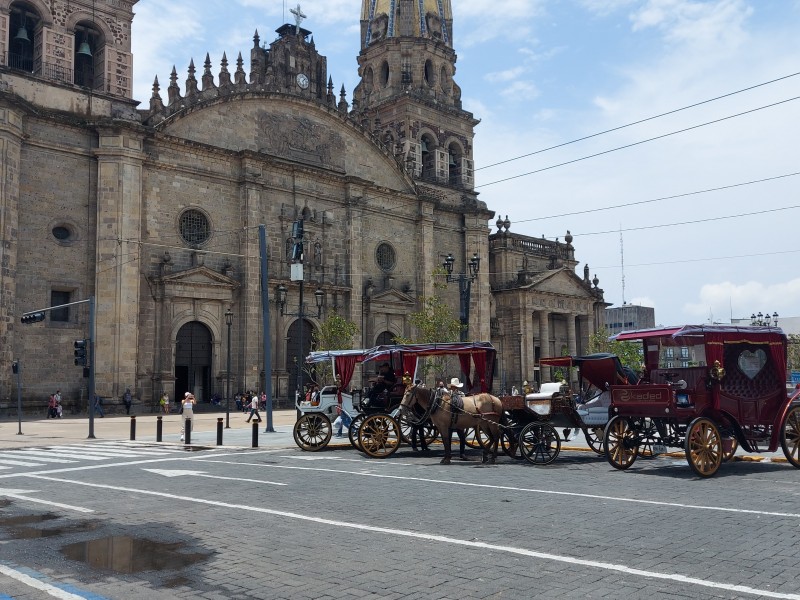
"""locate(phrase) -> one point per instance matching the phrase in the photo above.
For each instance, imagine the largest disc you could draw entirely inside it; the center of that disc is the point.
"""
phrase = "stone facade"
(156, 212)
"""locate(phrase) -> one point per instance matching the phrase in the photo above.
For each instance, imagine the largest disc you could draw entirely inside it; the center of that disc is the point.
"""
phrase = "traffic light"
(80, 353)
(297, 251)
(33, 317)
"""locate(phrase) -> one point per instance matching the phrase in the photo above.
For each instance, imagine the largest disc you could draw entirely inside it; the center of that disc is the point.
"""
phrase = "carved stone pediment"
(393, 297)
(562, 282)
(199, 282)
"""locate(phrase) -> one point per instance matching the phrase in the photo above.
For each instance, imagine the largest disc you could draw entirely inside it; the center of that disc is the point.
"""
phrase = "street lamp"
(464, 287)
(228, 322)
(761, 320)
(319, 298)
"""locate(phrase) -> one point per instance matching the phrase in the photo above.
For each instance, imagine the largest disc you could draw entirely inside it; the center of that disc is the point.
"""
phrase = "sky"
(547, 73)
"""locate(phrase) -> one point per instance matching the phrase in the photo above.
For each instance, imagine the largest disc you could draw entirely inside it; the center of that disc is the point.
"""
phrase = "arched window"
(25, 35)
(385, 338)
(428, 157)
(454, 157)
(88, 57)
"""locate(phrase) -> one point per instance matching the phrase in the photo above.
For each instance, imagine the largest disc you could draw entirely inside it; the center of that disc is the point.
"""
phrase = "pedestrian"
(164, 402)
(263, 404)
(59, 410)
(51, 407)
(254, 409)
(188, 412)
(127, 399)
(238, 400)
(98, 405)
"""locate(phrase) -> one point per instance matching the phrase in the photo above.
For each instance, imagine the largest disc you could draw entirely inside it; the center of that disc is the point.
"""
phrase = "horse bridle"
(428, 411)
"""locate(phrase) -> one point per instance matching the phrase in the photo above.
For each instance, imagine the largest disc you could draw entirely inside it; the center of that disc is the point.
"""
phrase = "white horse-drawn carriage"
(375, 424)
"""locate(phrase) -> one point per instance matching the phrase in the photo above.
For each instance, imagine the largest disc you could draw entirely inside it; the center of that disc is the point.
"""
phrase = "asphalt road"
(129, 520)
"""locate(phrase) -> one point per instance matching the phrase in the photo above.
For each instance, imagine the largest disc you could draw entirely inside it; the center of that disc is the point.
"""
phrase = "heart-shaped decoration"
(751, 363)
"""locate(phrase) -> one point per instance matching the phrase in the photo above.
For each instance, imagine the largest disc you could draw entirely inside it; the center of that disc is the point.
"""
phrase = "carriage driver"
(455, 389)
(384, 380)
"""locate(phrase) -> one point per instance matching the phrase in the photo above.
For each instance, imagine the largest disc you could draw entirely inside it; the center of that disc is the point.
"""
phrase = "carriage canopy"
(403, 359)
(601, 369)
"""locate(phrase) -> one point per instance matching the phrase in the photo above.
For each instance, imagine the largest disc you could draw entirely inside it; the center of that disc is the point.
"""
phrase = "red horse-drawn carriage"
(705, 389)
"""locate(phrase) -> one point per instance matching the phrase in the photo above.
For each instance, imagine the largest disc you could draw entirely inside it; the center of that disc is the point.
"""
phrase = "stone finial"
(256, 40)
(595, 281)
(224, 75)
(331, 98)
(568, 238)
(586, 272)
(208, 78)
(499, 224)
(156, 103)
(343, 106)
(173, 91)
(507, 223)
(191, 81)
(240, 77)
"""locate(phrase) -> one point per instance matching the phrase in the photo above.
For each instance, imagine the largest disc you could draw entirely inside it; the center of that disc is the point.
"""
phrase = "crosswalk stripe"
(37, 454)
(8, 461)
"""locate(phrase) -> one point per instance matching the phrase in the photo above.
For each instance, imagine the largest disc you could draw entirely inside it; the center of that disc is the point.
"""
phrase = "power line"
(658, 137)
(692, 260)
(750, 214)
(673, 197)
(671, 112)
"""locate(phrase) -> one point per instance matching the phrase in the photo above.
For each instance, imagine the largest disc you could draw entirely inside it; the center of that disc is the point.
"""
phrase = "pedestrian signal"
(33, 317)
(80, 353)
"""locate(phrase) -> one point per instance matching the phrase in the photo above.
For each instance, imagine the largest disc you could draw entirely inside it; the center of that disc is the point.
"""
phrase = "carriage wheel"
(429, 431)
(703, 447)
(473, 437)
(727, 456)
(379, 436)
(312, 431)
(619, 443)
(352, 431)
(539, 443)
(509, 436)
(648, 435)
(594, 437)
(790, 436)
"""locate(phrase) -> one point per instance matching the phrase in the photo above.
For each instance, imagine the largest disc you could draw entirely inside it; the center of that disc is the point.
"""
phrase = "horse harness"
(456, 406)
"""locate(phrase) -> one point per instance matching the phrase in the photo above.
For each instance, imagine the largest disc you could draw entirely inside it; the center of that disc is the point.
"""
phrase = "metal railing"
(86, 77)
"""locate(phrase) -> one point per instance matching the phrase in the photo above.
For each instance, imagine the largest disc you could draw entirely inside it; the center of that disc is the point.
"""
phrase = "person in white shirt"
(254, 409)
(188, 411)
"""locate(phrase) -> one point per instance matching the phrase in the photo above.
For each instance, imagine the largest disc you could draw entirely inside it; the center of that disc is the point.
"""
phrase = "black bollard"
(219, 431)
(159, 428)
(133, 427)
(188, 431)
(255, 433)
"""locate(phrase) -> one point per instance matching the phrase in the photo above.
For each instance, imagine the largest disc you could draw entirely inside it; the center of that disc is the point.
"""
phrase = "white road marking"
(513, 489)
(37, 454)
(30, 463)
(38, 585)
(739, 589)
(181, 473)
(22, 495)
(339, 459)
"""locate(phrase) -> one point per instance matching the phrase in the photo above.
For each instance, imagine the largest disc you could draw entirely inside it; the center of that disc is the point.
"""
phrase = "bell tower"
(407, 94)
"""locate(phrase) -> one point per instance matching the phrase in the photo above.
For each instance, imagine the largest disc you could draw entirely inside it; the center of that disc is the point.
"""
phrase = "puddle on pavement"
(4, 502)
(28, 533)
(195, 448)
(125, 554)
(26, 519)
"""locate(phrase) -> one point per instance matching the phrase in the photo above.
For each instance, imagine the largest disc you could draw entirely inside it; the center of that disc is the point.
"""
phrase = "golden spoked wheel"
(648, 436)
(429, 430)
(790, 436)
(379, 436)
(312, 431)
(703, 447)
(727, 456)
(539, 443)
(473, 438)
(352, 431)
(620, 443)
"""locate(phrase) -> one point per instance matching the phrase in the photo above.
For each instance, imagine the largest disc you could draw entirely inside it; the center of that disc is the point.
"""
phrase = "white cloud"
(321, 11)
(521, 90)
(503, 76)
(605, 7)
(643, 301)
(743, 299)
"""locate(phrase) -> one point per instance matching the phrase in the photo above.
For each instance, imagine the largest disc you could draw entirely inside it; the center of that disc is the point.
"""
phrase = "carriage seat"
(595, 411)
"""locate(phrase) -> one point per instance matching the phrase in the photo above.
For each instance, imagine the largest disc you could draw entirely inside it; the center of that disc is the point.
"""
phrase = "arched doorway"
(293, 354)
(193, 361)
(385, 339)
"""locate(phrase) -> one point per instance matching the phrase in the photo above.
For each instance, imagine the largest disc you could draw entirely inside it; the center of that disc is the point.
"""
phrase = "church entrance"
(292, 348)
(193, 362)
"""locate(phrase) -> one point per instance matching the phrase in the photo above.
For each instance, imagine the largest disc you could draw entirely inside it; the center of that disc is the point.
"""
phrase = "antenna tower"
(622, 262)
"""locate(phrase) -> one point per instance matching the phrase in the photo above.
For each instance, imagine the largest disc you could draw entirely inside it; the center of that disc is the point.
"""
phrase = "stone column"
(544, 343)
(572, 344)
(119, 217)
(10, 148)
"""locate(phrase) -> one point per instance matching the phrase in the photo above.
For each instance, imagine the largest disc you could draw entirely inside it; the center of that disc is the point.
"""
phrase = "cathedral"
(160, 209)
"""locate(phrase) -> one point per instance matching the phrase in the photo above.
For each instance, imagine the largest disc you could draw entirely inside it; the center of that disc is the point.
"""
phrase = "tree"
(334, 333)
(434, 323)
(629, 353)
(793, 352)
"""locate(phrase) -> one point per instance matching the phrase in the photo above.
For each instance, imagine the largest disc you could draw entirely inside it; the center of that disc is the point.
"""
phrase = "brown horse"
(482, 411)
